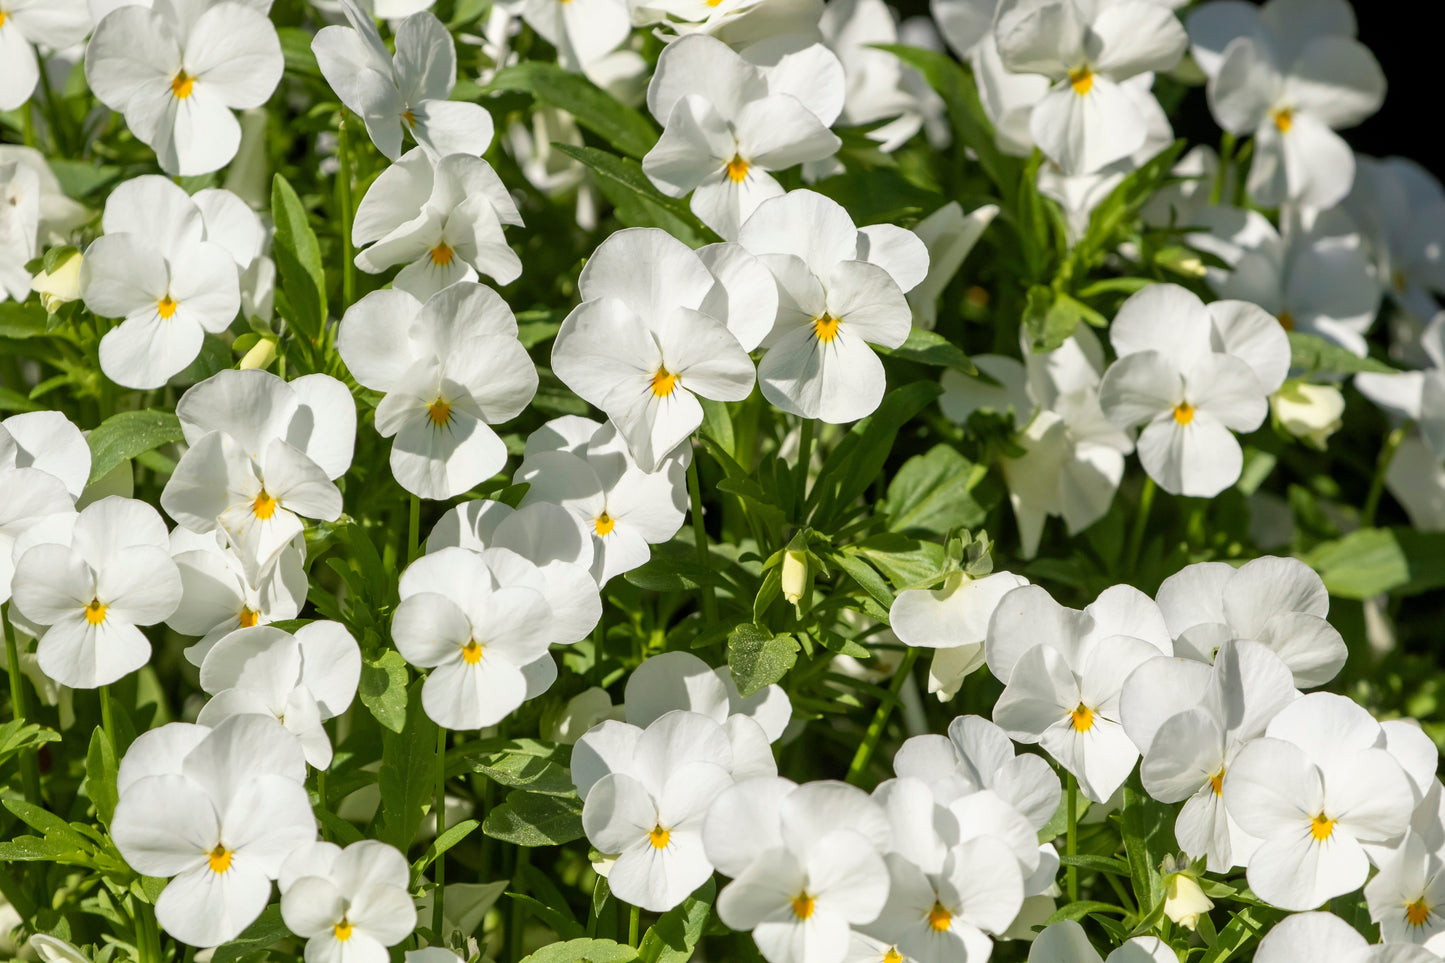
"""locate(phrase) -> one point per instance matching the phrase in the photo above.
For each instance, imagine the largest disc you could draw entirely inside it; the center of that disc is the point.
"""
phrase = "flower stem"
(348, 213)
(413, 530)
(1071, 838)
(805, 455)
(634, 923)
(107, 719)
(699, 535)
(1377, 484)
(29, 768)
(1141, 525)
(440, 806)
(864, 755)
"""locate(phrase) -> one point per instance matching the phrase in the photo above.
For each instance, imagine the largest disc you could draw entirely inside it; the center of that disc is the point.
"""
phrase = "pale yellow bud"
(795, 576)
(1184, 901)
(1309, 412)
(60, 287)
(261, 355)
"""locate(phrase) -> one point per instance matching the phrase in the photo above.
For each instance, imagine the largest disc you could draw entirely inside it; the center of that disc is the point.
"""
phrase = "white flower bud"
(795, 576)
(1309, 412)
(60, 286)
(1184, 901)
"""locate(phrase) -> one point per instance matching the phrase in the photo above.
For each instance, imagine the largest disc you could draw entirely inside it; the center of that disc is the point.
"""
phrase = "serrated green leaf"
(757, 658)
(531, 819)
(382, 689)
(129, 434)
(529, 764)
(1311, 353)
(930, 493)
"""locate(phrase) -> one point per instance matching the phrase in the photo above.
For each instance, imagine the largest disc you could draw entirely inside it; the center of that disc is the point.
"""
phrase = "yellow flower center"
(342, 930)
(439, 412)
(441, 255)
(1417, 913)
(1284, 119)
(1216, 782)
(1082, 718)
(825, 328)
(220, 859)
(939, 919)
(264, 506)
(1184, 412)
(737, 169)
(472, 652)
(182, 84)
(664, 382)
(802, 906)
(603, 524)
(166, 307)
(408, 117)
(892, 956)
(1286, 320)
(1082, 80)
(1322, 828)
(659, 837)
(248, 617)
(2, 18)
(95, 612)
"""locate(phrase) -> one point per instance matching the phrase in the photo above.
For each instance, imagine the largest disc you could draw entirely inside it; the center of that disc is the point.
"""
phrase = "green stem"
(634, 923)
(440, 806)
(1226, 158)
(29, 124)
(107, 720)
(413, 530)
(699, 535)
(864, 755)
(1071, 838)
(348, 213)
(805, 455)
(29, 768)
(1141, 525)
(1377, 484)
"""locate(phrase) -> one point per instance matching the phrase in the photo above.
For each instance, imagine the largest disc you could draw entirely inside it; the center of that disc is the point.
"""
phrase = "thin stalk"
(107, 720)
(348, 213)
(864, 755)
(1226, 159)
(805, 455)
(29, 768)
(1377, 484)
(699, 535)
(440, 806)
(1071, 838)
(634, 923)
(413, 530)
(1141, 525)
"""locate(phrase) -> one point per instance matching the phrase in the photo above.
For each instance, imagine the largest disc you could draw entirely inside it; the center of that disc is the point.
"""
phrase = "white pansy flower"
(583, 32)
(31, 498)
(50, 442)
(1311, 937)
(34, 212)
(952, 620)
(949, 235)
(26, 25)
(1400, 207)
(1066, 942)
(349, 904)
(1407, 897)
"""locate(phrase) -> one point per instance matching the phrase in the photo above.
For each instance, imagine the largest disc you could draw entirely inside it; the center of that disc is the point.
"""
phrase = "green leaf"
(1124, 203)
(298, 260)
(758, 658)
(531, 819)
(34, 848)
(444, 842)
(904, 560)
(930, 493)
(267, 929)
(1050, 318)
(20, 321)
(1148, 830)
(1247, 926)
(858, 459)
(881, 195)
(100, 775)
(637, 202)
(868, 579)
(408, 773)
(529, 764)
(592, 107)
(1311, 353)
(584, 951)
(44, 821)
(1079, 909)
(675, 934)
(673, 567)
(296, 50)
(1112, 865)
(129, 434)
(1369, 561)
(933, 349)
(383, 689)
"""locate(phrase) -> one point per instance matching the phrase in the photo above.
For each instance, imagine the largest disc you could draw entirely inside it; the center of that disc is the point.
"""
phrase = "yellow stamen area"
(166, 307)
(182, 84)
(892, 956)
(802, 906)
(2, 16)
(1286, 320)
(220, 859)
(664, 382)
(408, 117)
(1082, 718)
(342, 930)
(248, 617)
(659, 837)
(1321, 827)
(1417, 913)
(1082, 80)
(472, 652)
(95, 612)
(1216, 782)
(939, 919)
(439, 412)
(441, 255)
(1184, 412)
(825, 328)
(264, 505)
(1284, 120)
(603, 524)
(737, 169)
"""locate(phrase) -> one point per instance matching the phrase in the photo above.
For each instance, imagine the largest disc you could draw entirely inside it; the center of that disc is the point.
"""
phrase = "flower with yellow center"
(1283, 119)
(248, 617)
(182, 84)
(1417, 913)
(603, 524)
(1183, 413)
(220, 858)
(1216, 783)
(442, 254)
(664, 382)
(1322, 827)
(1082, 718)
(439, 413)
(342, 930)
(263, 506)
(472, 652)
(166, 307)
(939, 918)
(825, 327)
(737, 169)
(659, 837)
(803, 906)
(95, 612)
(1082, 80)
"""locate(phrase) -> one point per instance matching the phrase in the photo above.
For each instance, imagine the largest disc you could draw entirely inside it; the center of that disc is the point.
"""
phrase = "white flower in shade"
(46, 440)
(1407, 896)
(641, 347)
(1293, 97)
(1287, 26)
(176, 71)
(31, 497)
(155, 269)
(1008, 98)
(840, 288)
(1086, 121)
(586, 468)
(480, 640)
(27, 24)
(583, 32)
(648, 807)
(806, 865)
(263, 454)
(1066, 942)
(1314, 281)
(1278, 602)
(952, 620)
(350, 904)
(977, 755)
(1192, 375)
(1317, 785)
(406, 92)
(1064, 671)
(219, 596)
(737, 23)
(726, 127)
(219, 810)
(1310, 412)
(34, 213)
(231, 223)
(1187, 755)
(114, 574)
(450, 369)
(1310, 937)
(949, 235)
(442, 219)
(301, 680)
(1400, 207)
